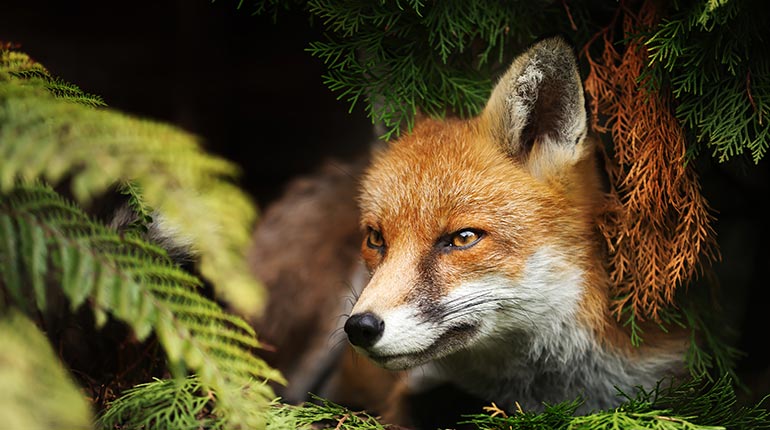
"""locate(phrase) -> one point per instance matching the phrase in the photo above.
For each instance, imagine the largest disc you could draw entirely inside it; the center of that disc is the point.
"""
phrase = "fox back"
(486, 266)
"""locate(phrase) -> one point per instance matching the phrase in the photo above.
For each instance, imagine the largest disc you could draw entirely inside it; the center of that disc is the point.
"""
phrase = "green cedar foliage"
(184, 404)
(163, 404)
(398, 58)
(322, 413)
(694, 405)
(698, 404)
(715, 57)
(50, 248)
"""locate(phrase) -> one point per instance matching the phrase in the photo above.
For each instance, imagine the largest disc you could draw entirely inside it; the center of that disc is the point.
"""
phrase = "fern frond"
(37, 393)
(137, 205)
(19, 65)
(136, 283)
(42, 136)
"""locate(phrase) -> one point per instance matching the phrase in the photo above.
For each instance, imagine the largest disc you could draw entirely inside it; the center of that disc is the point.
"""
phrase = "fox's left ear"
(537, 109)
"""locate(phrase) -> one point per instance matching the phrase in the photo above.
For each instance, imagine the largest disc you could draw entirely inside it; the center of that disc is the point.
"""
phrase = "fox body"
(485, 266)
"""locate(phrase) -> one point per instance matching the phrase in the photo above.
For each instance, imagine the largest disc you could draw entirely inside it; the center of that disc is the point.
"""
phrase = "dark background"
(246, 85)
(242, 82)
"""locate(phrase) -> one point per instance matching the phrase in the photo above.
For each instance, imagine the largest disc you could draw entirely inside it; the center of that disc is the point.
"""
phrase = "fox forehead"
(446, 176)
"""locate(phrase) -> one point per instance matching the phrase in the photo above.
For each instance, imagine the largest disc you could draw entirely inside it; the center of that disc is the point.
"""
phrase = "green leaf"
(37, 393)
(138, 284)
(163, 169)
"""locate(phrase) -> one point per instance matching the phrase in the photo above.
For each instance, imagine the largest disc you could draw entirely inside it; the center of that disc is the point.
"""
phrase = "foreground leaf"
(37, 392)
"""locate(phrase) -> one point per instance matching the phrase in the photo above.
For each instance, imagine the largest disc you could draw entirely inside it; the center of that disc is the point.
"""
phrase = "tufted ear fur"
(537, 109)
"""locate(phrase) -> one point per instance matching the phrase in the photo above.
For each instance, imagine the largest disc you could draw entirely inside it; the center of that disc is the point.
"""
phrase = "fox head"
(481, 231)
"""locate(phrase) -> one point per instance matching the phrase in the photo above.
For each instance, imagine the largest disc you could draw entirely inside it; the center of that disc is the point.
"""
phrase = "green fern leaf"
(19, 65)
(45, 136)
(37, 393)
(138, 205)
(144, 289)
(9, 267)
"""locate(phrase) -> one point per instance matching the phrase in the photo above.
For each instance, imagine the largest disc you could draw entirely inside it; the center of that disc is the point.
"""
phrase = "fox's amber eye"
(465, 238)
(374, 239)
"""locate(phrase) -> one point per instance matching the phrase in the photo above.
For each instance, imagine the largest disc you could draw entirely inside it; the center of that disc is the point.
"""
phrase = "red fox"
(485, 267)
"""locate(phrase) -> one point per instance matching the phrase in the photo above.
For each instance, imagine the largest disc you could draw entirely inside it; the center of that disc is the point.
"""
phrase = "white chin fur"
(406, 332)
(545, 294)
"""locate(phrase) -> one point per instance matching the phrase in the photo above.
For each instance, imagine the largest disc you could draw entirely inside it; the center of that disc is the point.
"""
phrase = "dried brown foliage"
(657, 223)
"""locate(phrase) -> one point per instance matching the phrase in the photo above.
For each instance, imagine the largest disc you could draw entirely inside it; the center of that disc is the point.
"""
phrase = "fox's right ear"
(537, 109)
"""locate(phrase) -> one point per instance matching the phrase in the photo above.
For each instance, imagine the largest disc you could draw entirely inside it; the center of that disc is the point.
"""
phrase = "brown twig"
(569, 15)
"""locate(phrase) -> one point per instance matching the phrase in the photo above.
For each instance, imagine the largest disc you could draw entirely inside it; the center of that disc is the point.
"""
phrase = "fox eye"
(374, 239)
(464, 239)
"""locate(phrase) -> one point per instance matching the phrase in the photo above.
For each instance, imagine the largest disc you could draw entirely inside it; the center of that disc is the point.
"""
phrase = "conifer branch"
(163, 404)
(400, 58)
(694, 405)
(322, 413)
(712, 55)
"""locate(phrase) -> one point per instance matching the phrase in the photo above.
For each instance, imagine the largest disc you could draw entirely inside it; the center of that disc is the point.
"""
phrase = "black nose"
(364, 329)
